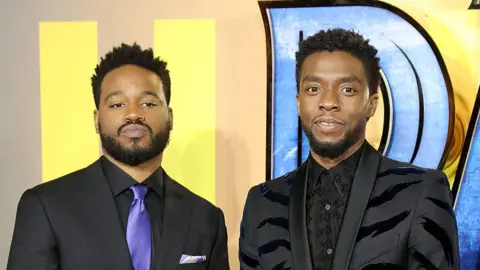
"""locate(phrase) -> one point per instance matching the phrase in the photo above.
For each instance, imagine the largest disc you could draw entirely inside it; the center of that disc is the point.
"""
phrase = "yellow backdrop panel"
(68, 55)
(189, 48)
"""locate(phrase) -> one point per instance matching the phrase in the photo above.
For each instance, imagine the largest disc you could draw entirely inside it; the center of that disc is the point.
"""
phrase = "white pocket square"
(192, 259)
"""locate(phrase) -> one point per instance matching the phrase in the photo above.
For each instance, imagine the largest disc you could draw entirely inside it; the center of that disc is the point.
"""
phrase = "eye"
(348, 90)
(149, 104)
(116, 105)
(313, 89)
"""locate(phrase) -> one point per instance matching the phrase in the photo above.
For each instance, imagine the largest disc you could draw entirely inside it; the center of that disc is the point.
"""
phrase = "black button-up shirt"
(120, 182)
(327, 194)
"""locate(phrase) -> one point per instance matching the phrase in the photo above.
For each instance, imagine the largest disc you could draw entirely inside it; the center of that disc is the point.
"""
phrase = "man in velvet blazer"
(123, 212)
(347, 206)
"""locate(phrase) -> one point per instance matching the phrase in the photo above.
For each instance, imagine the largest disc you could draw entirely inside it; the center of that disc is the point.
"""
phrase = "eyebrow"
(112, 94)
(119, 92)
(312, 78)
(352, 78)
(346, 79)
(150, 93)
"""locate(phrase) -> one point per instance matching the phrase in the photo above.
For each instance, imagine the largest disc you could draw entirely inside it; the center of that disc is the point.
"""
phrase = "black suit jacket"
(72, 223)
(398, 216)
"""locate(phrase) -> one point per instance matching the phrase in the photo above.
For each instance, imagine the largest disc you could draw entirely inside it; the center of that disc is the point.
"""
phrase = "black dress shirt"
(327, 195)
(120, 182)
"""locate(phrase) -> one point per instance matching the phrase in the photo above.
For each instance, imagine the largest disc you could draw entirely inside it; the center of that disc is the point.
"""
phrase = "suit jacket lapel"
(103, 218)
(297, 220)
(362, 186)
(175, 226)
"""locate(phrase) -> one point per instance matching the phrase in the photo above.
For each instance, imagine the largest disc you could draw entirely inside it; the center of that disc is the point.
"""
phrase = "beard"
(333, 150)
(136, 154)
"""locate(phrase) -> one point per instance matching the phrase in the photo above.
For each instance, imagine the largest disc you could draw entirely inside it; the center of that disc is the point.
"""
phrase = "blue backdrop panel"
(467, 207)
(410, 66)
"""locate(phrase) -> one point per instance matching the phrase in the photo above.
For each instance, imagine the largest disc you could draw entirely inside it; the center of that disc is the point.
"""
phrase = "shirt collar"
(345, 170)
(120, 180)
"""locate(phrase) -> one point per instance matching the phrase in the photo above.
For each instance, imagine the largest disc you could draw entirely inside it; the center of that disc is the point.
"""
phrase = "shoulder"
(394, 168)
(274, 192)
(200, 203)
(282, 183)
(56, 193)
(68, 183)
(394, 172)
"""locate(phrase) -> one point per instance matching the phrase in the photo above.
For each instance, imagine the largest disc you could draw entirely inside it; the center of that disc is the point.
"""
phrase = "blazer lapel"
(362, 186)
(103, 219)
(297, 220)
(175, 226)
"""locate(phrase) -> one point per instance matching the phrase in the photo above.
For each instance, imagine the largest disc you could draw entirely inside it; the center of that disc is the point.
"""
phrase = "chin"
(329, 139)
(142, 142)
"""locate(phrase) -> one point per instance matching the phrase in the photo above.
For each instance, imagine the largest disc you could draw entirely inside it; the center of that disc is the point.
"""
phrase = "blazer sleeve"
(219, 256)
(433, 240)
(33, 243)
(247, 252)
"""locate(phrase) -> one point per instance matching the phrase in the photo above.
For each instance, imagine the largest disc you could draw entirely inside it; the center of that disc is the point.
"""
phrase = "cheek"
(356, 119)
(355, 108)
(307, 110)
(157, 124)
(107, 126)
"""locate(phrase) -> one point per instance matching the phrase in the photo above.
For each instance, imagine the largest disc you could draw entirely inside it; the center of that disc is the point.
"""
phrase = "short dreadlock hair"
(130, 55)
(338, 39)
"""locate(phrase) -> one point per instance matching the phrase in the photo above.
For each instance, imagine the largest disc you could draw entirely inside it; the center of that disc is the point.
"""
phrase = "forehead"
(129, 77)
(334, 63)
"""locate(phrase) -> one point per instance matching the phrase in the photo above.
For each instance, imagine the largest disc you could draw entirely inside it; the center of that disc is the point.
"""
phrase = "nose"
(134, 114)
(328, 101)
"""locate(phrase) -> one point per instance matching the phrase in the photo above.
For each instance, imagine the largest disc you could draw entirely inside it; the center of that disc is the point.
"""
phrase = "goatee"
(136, 154)
(333, 150)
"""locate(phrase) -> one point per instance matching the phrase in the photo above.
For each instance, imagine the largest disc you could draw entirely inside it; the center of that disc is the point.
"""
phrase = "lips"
(328, 124)
(328, 120)
(134, 131)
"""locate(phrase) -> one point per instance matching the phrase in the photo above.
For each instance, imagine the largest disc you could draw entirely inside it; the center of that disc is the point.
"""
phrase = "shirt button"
(329, 251)
(327, 207)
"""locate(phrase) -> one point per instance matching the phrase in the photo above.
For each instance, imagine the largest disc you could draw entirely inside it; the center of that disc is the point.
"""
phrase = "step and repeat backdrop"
(420, 118)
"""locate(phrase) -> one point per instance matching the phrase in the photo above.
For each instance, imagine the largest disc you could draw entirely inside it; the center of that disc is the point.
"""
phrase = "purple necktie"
(138, 230)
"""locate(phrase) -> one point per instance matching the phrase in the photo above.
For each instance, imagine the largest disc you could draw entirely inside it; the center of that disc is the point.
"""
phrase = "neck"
(139, 172)
(330, 163)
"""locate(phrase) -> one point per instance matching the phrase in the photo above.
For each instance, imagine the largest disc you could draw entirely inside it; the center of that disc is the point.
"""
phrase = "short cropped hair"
(338, 39)
(130, 55)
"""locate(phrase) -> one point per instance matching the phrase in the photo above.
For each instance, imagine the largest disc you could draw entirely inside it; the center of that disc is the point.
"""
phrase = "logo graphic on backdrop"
(475, 4)
(415, 119)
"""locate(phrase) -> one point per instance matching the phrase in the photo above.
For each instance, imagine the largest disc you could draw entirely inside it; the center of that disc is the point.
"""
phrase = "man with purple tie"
(122, 212)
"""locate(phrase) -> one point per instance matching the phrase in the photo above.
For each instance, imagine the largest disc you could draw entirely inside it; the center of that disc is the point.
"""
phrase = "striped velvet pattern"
(409, 223)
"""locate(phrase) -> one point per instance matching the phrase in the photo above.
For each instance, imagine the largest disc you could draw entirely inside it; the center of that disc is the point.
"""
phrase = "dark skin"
(128, 94)
(334, 100)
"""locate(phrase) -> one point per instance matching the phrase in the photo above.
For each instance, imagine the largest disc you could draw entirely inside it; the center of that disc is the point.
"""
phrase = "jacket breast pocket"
(373, 249)
(192, 266)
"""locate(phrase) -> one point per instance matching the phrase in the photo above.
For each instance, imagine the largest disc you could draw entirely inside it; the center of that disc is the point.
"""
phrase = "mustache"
(134, 123)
